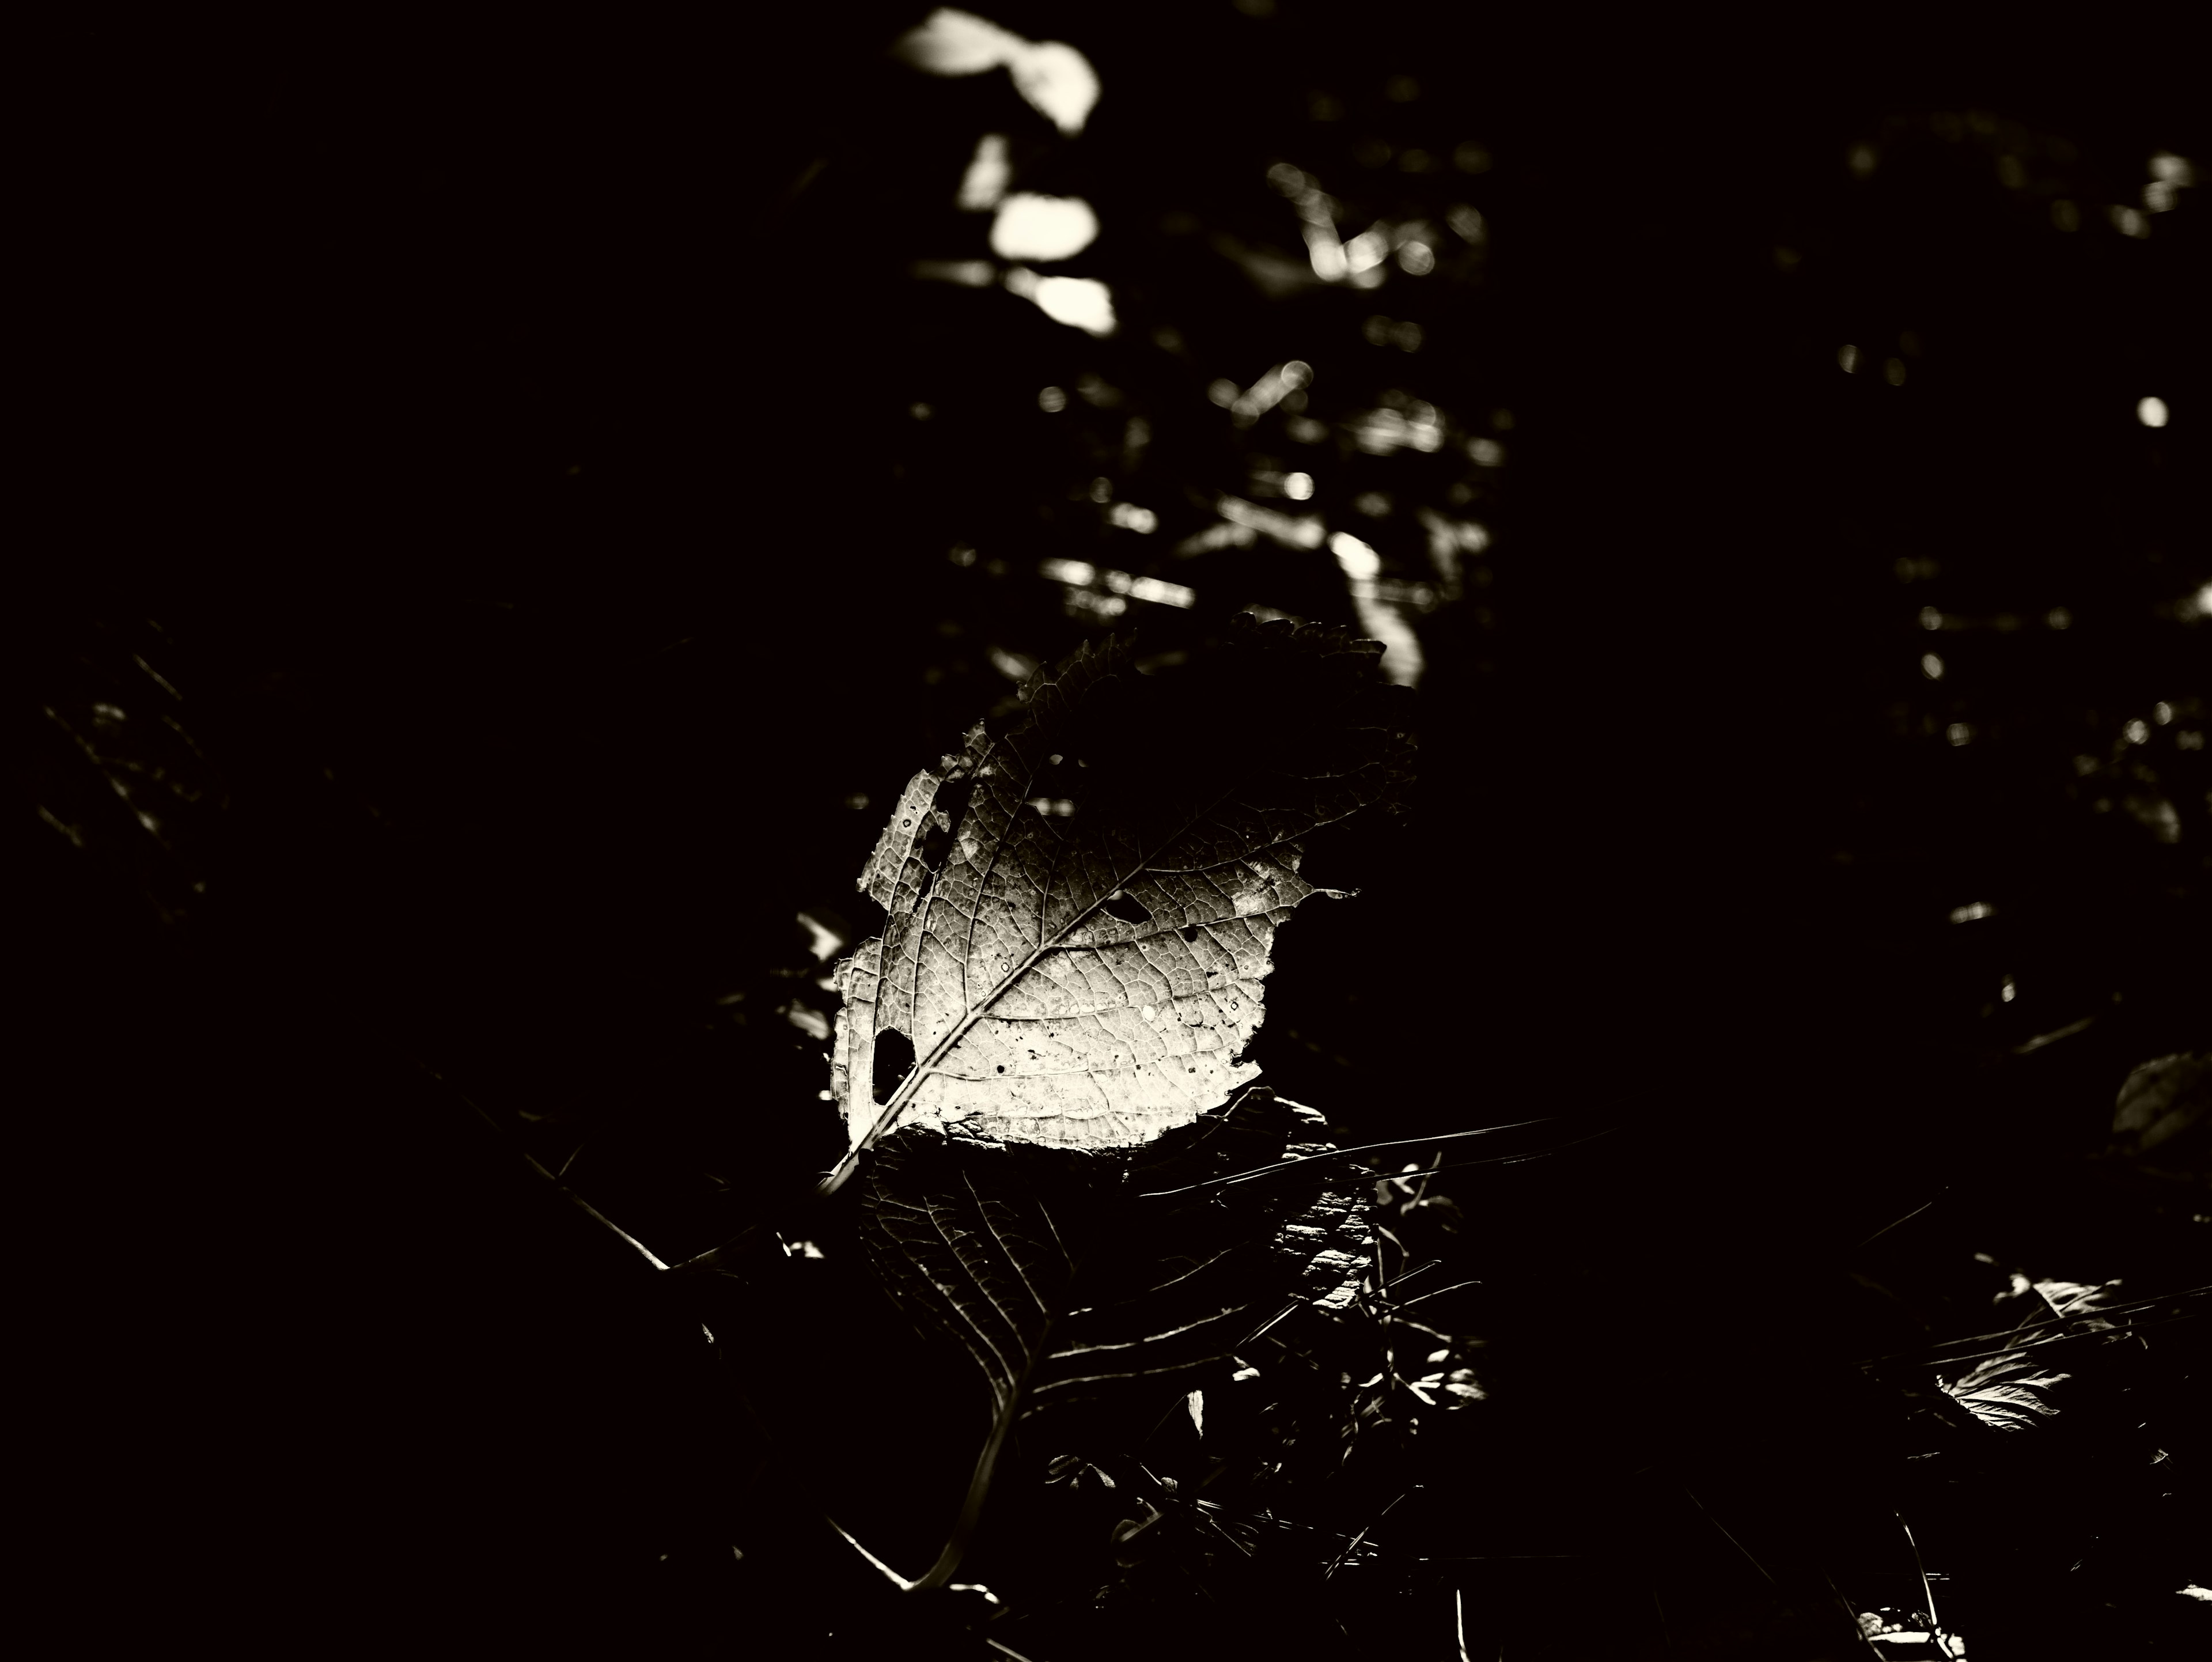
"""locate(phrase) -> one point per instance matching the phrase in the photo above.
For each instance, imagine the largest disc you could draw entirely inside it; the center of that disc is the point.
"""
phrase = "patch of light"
(2204, 601)
(1294, 530)
(1849, 357)
(1467, 225)
(1486, 452)
(1225, 535)
(2161, 712)
(1060, 82)
(1968, 914)
(1931, 618)
(2151, 412)
(2128, 222)
(1101, 608)
(2137, 733)
(1032, 227)
(1958, 732)
(1355, 556)
(1014, 665)
(1052, 399)
(969, 273)
(1057, 80)
(2171, 169)
(1417, 259)
(1081, 303)
(824, 940)
(2008, 990)
(1893, 372)
(985, 182)
(1931, 666)
(1162, 593)
(1860, 159)
(1222, 392)
(2189, 739)
(1052, 807)
(950, 42)
(2064, 216)
(1367, 250)
(1130, 517)
(1290, 180)
(1265, 393)
(2059, 617)
(1329, 263)
(1081, 573)
(1299, 487)
(961, 554)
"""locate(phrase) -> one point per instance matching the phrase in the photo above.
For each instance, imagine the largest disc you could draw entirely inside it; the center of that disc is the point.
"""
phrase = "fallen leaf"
(1090, 978)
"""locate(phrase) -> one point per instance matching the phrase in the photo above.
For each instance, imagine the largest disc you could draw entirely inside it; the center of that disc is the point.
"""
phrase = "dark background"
(502, 445)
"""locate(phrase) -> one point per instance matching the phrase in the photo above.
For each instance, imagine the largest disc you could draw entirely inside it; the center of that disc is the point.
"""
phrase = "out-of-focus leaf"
(1088, 978)
(1057, 80)
(2161, 1099)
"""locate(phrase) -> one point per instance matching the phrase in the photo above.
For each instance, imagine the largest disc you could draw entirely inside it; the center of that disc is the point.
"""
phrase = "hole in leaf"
(1121, 906)
(894, 1062)
(1188, 932)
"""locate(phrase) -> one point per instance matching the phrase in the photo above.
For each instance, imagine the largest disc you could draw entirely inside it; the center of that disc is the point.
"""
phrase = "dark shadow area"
(517, 512)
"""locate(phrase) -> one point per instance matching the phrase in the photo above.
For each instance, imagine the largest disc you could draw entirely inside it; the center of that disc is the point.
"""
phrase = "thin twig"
(1907, 1217)
(1353, 1545)
(1259, 1172)
(535, 1164)
(1926, 1592)
(1921, 1358)
(1438, 1293)
(889, 1575)
(1732, 1541)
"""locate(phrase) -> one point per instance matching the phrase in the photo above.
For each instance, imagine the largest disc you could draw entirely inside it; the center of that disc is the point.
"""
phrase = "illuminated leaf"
(2008, 1392)
(1090, 977)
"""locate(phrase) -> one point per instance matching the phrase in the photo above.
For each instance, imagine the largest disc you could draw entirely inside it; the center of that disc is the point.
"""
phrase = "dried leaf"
(2161, 1099)
(1065, 1289)
(2007, 1393)
(1089, 978)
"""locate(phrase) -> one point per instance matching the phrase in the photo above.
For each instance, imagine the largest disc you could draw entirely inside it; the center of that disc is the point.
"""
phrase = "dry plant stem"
(535, 1164)
(1731, 1539)
(1307, 1162)
(1850, 1615)
(1921, 1569)
(888, 1573)
(1921, 1358)
(1352, 1545)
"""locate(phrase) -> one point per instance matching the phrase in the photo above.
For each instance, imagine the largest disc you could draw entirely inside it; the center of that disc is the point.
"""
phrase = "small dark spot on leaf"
(1188, 932)
(1002, 1066)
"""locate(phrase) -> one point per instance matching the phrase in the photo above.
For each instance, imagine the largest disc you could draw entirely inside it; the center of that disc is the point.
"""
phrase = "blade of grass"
(1259, 1172)
(1352, 1546)
(1923, 1358)
(1921, 1569)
